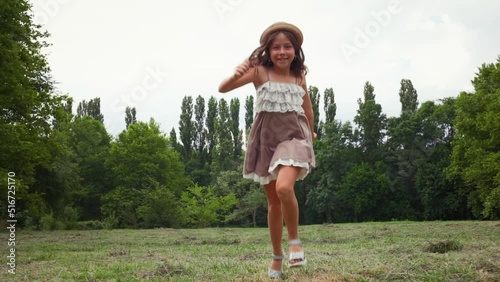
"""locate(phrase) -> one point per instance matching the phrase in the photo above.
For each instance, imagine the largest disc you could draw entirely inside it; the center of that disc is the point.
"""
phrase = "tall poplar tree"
(408, 96)
(407, 147)
(130, 116)
(187, 127)
(371, 122)
(199, 123)
(329, 105)
(212, 113)
(223, 150)
(315, 98)
(234, 125)
(248, 113)
(91, 108)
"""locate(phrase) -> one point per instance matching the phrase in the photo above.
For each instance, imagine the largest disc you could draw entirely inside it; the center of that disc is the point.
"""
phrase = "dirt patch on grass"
(443, 247)
(165, 269)
(247, 257)
(118, 253)
(220, 241)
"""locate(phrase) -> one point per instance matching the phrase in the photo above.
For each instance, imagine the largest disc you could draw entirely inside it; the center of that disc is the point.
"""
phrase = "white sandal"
(296, 255)
(276, 274)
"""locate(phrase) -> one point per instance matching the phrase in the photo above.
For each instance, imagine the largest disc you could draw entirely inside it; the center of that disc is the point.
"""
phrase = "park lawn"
(381, 251)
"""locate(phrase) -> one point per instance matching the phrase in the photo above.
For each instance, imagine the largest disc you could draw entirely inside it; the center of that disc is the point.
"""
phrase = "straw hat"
(282, 26)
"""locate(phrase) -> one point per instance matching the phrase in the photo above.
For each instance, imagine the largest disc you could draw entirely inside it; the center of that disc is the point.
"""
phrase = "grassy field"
(391, 251)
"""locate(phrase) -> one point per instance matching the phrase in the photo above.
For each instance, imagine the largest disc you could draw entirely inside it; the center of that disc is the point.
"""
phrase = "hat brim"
(282, 26)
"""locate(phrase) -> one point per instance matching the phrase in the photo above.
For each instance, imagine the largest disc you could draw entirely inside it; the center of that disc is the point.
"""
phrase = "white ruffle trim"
(279, 97)
(263, 180)
(290, 162)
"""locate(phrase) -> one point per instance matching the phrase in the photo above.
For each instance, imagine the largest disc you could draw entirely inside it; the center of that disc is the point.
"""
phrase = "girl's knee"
(284, 191)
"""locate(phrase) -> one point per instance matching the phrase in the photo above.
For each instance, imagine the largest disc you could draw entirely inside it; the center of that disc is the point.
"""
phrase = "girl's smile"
(282, 52)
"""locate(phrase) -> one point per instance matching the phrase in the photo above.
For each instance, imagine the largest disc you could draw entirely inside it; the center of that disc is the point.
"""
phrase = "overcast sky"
(149, 54)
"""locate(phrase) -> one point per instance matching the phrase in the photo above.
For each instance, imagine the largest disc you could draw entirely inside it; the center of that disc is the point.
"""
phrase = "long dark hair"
(260, 56)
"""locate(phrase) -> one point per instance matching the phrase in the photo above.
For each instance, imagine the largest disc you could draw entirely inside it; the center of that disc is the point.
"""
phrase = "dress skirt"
(278, 138)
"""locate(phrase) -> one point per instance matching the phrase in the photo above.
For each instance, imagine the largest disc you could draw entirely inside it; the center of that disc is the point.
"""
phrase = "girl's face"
(281, 51)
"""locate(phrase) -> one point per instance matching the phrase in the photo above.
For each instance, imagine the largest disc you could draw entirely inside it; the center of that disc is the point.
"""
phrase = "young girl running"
(279, 147)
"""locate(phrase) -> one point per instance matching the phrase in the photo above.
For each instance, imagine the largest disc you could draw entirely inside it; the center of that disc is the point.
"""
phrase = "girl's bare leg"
(289, 205)
(275, 222)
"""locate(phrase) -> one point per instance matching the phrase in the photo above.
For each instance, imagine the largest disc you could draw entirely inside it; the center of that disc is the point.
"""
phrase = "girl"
(279, 147)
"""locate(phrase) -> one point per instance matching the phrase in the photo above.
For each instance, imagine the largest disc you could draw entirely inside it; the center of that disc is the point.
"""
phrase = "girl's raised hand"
(242, 69)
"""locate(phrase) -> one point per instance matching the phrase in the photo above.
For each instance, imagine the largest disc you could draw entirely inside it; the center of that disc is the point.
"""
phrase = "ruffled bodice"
(281, 97)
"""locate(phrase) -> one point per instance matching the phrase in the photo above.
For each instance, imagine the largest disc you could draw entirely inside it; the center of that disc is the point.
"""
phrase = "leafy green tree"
(408, 149)
(90, 143)
(159, 208)
(439, 196)
(202, 208)
(406, 153)
(372, 124)
(28, 105)
(336, 154)
(252, 207)
(476, 147)
(254, 201)
(367, 192)
(140, 161)
(55, 184)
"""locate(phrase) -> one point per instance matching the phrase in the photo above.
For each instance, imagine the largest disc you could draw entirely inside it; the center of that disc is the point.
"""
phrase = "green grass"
(387, 251)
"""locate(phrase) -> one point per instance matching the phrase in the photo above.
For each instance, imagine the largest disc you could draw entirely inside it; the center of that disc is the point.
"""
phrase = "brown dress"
(280, 134)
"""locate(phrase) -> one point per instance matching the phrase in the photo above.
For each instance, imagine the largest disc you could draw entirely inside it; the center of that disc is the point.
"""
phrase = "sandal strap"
(275, 274)
(297, 256)
(276, 257)
(295, 242)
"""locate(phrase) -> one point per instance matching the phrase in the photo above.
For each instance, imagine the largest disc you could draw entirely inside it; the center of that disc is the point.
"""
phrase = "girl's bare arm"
(307, 106)
(243, 74)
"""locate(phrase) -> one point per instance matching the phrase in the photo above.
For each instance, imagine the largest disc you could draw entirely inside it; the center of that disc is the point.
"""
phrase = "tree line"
(437, 160)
